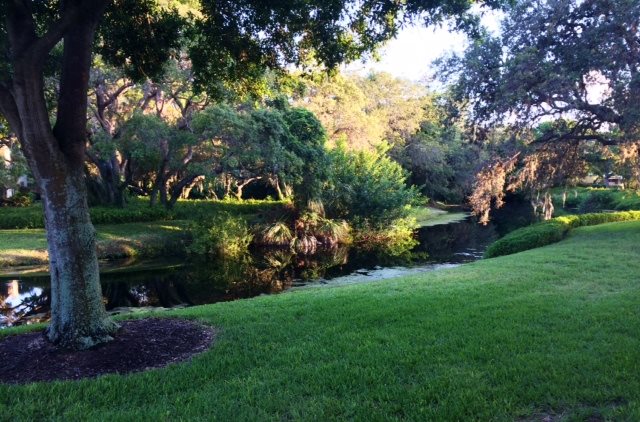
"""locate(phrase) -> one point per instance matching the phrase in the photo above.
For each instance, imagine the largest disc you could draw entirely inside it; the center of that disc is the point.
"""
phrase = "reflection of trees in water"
(309, 267)
(268, 270)
(444, 242)
(144, 288)
(226, 279)
(33, 307)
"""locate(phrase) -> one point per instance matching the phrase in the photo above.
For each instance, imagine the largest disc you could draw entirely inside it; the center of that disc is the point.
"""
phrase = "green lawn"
(28, 246)
(430, 216)
(553, 331)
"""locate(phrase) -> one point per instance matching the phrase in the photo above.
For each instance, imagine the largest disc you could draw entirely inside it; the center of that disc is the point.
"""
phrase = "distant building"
(22, 182)
(614, 181)
(5, 159)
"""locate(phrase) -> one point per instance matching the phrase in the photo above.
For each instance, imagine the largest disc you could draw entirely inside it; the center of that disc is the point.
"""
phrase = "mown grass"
(430, 216)
(552, 332)
(134, 231)
(28, 246)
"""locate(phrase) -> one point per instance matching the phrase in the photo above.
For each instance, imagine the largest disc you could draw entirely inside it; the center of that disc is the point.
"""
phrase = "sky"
(411, 53)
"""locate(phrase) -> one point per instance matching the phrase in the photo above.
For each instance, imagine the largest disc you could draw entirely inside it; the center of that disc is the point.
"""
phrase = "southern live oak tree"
(564, 75)
(231, 42)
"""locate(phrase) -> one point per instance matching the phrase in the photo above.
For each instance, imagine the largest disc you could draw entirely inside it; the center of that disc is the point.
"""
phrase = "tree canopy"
(562, 76)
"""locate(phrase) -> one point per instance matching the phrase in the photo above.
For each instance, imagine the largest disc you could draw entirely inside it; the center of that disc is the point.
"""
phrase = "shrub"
(30, 217)
(138, 210)
(598, 200)
(395, 239)
(367, 188)
(628, 201)
(20, 200)
(552, 231)
(277, 234)
(222, 234)
(131, 214)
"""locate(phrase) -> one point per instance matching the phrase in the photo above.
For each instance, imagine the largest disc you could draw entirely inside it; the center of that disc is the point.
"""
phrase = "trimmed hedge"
(552, 231)
(138, 210)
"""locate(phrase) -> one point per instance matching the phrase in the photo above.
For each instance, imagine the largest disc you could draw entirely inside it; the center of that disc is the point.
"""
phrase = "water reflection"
(25, 299)
(20, 302)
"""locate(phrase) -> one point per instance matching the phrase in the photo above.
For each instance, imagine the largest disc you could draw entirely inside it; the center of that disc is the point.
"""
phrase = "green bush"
(396, 239)
(21, 218)
(552, 231)
(20, 200)
(129, 214)
(628, 201)
(573, 200)
(598, 200)
(138, 210)
(367, 188)
(221, 235)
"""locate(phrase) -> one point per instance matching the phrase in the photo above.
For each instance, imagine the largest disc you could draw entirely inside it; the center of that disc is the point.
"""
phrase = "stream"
(130, 286)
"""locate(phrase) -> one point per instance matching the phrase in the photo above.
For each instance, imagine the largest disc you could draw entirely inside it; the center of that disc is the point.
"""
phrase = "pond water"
(135, 286)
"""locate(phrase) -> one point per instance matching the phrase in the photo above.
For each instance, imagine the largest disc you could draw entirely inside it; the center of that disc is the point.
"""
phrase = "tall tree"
(233, 41)
(575, 63)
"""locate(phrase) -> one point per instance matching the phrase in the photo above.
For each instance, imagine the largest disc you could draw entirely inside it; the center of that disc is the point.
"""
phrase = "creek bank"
(495, 337)
(158, 284)
(28, 247)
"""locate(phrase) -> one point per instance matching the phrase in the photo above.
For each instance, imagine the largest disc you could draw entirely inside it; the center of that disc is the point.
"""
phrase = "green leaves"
(139, 37)
(287, 145)
(366, 187)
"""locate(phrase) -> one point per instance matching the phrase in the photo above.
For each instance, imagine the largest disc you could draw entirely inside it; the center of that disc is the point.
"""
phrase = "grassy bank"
(134, 231)
(551, 231)
(138, 210)
(29, 246)
(431, 216)
(552, 332)
(585, 200)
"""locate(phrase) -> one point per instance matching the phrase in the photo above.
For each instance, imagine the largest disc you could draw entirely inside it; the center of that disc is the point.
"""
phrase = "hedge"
(552, 231)
(138, 210)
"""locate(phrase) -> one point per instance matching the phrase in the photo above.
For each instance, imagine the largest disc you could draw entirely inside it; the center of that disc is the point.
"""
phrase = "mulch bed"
(138, 346)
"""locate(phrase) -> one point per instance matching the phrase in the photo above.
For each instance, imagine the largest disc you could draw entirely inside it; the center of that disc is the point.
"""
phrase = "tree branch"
(9, 110)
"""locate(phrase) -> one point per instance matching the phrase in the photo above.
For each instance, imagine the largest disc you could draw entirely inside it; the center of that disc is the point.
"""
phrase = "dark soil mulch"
(139, 345)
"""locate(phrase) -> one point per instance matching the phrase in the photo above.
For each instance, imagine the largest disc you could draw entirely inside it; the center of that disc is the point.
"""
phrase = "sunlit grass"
(548, 333)
(430, 216)
(28, 246)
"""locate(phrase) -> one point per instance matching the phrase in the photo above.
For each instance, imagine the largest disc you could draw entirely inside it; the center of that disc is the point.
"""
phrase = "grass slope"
(430, 216)
(28, 246)
(548, 332)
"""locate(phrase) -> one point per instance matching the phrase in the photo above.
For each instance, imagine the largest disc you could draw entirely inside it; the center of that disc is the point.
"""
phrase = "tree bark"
(179, 188)
(240, 186)
(78, 317)
(56, 157)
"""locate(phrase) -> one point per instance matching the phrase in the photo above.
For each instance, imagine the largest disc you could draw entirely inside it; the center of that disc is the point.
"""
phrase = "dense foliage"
(367, 187)
(564, 76)
(552, 231)
(222, 234)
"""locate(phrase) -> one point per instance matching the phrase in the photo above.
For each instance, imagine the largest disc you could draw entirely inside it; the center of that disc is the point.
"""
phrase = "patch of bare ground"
(138, 346)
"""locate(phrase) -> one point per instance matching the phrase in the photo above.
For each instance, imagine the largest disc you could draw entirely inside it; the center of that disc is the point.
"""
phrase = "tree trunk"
(56, 157)
(184, 184)
(78, 317)
(240, 186)
(547, 207)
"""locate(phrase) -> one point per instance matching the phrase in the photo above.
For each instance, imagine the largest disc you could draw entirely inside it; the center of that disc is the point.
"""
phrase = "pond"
(157, 285)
